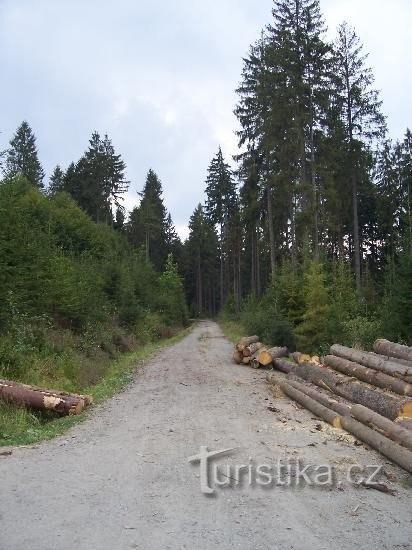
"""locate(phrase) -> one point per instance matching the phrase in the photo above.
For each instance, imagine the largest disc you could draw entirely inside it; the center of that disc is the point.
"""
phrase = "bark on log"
(314, 406)
(384, 425)
(404, 422)
(284, 366)
(371, 376)
(249, 351)
(391, 349)
(88, 399)
(237, 356)
(40, 399)
(246, 341)
(341, 408)
(382, 444)
(373, 360)
(266, 357)
(357, 392)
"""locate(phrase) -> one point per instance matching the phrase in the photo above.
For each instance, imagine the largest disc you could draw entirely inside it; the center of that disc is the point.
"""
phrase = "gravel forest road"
(122, 478)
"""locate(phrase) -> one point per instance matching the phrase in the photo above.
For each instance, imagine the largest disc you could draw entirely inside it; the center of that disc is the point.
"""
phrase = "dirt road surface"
(122, 479)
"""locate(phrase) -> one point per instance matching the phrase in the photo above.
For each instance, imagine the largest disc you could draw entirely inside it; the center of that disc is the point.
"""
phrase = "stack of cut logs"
(366, 393)
(38, 398)
(250, 351)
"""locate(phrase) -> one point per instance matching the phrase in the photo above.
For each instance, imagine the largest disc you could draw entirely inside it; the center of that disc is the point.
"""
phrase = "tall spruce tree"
(361, 116)
(201, 264)
(56, 183)
(222, 208)
(22, 157)
(99, 180)
(147, 225)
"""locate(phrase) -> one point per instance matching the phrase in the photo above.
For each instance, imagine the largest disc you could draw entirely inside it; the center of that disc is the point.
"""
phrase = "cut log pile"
(38, 398)
(250, 351)
(368, 394)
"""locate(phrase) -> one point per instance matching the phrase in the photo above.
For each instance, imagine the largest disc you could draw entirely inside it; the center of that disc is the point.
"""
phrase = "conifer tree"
(361, 115)
(201, 261)
(22, 157)
(56, 183)
(147, 227)
(221, 207)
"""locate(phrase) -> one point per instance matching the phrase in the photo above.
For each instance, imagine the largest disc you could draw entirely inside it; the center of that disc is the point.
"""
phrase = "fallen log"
(321, 397)
(250, 350)
(373, 360)
(404, 422)
(88, 399)
(385, 446)
(384, 425)
(371, 376)
(265, 357)
(246, 341)
(391, 349)
(284, 366)
(246, 360)
(237, 356)
(29, 396)
(314, 406)
(354, 391)
(300, 357)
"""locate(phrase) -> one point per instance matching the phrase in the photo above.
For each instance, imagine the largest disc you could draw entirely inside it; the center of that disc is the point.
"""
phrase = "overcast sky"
(159, 77)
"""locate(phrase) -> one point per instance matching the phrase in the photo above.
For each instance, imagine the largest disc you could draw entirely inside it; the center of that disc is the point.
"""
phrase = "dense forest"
(307, 241)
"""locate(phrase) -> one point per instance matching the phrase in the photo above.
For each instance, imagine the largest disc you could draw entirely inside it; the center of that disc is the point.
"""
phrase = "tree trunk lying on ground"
(246, 341)
(371, 376)
(237, 356)
(341, 408)
(395, 432)
(391, 349)
(250, 350)
(382, 444)
(314, 406)
(37, 398)
(374, 361)
(404, 422)
(300, 357)
(386, 405)
(266, 357)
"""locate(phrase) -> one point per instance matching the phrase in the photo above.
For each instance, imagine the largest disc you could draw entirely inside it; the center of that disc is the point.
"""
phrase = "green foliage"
(60, 272)
(171, 295)
(22, 157)
(314, 328)
(265, 318)
(397, 310)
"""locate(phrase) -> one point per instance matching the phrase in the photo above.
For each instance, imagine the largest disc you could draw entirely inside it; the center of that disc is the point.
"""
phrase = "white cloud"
(159, 78)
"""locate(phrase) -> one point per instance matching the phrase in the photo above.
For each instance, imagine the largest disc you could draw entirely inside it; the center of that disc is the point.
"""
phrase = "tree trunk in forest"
(394, 431)
(315, 194)
(370, 376)
(385, 347)
(271, 231)
(356, 239)
(32, 396)
(345, 386)
(374, 361)
(382, 444)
